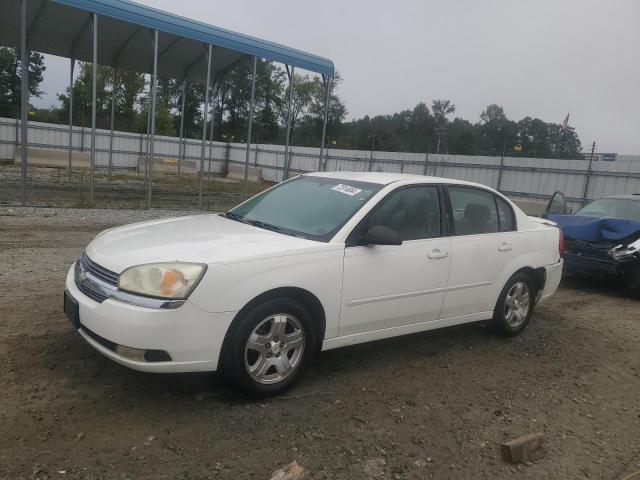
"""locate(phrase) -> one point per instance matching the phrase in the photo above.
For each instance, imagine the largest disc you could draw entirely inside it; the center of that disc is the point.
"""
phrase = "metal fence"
(518, 177)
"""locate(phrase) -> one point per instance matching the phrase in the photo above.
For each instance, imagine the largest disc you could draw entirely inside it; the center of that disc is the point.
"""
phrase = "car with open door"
(602, 239)
(320, 261)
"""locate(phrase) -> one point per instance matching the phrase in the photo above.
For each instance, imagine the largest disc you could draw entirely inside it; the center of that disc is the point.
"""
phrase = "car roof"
(385, 178)
(635, 196)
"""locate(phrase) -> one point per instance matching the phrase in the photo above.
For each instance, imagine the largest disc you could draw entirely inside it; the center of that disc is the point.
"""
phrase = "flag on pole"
(565, 124)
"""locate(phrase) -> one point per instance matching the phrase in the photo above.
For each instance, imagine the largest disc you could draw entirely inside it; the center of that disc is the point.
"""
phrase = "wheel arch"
(308, 299)
(537, 275)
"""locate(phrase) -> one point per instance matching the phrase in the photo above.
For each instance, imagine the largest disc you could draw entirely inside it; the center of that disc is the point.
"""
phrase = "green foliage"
(10, 80)
(420, 129)
(128, 87)
(417, 130)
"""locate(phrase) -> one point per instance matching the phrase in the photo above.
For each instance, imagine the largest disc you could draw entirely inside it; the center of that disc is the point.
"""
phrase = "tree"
(310, 131)
(462, 137)
(10, 80)
(270, 98)
(441, 108)
(493, 114)
(303, 91)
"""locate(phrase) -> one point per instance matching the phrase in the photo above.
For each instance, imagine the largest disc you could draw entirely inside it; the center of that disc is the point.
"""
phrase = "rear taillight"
(561, 243)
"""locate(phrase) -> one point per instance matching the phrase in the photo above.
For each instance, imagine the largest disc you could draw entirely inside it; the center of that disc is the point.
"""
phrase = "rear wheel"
(515, 305)
(269, 348)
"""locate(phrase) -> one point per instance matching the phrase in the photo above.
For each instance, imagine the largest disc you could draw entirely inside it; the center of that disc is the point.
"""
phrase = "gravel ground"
(51, 188)
(107, 216)
(431, 405)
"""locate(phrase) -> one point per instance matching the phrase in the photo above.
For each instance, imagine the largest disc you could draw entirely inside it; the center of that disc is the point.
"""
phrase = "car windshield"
(626, 208)
(306, 206)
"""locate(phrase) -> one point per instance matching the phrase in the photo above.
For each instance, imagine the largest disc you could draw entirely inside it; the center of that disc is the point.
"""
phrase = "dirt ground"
(126, 189)
(432, 405)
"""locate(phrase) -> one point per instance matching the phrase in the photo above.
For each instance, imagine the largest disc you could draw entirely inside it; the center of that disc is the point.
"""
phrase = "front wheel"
(515, 305)
(269, 348)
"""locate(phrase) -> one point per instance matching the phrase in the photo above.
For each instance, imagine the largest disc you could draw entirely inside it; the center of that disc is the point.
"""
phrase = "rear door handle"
(505, 247)
(437, 253)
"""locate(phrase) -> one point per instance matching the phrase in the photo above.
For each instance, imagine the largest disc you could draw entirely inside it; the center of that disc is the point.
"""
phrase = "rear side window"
(505, 212)
(474, 211)
(414, 213)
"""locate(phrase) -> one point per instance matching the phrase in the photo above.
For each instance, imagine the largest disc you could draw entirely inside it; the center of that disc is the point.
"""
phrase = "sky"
(542, 58)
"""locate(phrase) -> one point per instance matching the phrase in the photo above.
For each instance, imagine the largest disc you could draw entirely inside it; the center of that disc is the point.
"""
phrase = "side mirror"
(380, 235)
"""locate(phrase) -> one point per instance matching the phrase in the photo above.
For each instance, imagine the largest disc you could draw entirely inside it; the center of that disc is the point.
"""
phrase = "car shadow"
(598, 286)
(87, 371)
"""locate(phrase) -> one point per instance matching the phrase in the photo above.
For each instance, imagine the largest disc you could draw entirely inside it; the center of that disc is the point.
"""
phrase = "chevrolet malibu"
(320, 261)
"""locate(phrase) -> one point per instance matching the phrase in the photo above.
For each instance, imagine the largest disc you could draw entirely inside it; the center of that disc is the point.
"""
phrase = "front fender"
(228, 287)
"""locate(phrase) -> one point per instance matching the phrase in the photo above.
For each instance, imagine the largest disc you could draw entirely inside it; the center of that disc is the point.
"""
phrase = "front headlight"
(162, 280)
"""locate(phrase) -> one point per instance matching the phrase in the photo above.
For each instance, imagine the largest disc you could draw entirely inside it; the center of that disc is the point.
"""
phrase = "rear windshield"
(309, 207)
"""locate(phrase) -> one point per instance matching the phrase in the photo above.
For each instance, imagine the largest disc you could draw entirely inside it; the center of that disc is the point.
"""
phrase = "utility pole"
(587, 179)
(373, 146)
(501, 168)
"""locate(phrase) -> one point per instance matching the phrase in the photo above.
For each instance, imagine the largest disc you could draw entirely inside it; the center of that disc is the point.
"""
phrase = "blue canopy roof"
(62, 27)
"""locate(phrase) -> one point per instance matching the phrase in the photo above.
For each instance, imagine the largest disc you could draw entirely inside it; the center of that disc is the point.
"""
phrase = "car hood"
(594, 229)
(202, 239)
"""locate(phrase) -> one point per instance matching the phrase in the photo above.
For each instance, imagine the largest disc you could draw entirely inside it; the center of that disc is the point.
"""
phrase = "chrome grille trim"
(98, 271)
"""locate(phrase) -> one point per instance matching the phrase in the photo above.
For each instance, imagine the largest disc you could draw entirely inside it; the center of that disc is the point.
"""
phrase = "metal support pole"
(323, 165)
(182, 147)
(212, 121)
(24, 96)
(426, 162)
(501, 168)
(73, 63)
(250, 126)
(205, 110)
(146, 147)
(373, 146)
(94, 75)
(113, 118)
(287, 154)
(154, 82)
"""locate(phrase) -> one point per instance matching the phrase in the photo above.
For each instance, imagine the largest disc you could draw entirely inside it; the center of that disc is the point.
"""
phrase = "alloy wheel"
(274, 349)
(517, 304)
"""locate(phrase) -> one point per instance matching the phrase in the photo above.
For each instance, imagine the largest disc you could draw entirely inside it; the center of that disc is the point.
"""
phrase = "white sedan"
(320, 261)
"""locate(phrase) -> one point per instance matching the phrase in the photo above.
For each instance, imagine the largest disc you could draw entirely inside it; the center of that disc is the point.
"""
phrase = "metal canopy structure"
(63, 28)
(129, 36)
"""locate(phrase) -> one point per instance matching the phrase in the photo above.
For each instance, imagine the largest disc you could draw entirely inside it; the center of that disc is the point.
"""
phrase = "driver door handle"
(505, 247)
(437, 253)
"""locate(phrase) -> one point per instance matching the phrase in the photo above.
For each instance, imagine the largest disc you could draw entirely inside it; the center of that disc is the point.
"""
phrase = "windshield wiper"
(266, 226)
(255, 223)
(234, 216)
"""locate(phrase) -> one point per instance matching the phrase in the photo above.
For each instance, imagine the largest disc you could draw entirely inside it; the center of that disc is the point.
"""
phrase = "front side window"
(413, 213)
(474, 211)
(307, 206)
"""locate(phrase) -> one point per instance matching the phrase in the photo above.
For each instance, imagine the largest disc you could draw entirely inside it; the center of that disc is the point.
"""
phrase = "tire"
(511, 315)
(269, 347)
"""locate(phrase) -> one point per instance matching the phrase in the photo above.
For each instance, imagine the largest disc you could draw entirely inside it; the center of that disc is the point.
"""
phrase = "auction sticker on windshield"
(346, 189)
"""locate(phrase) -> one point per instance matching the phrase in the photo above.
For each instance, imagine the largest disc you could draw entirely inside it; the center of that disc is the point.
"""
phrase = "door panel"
(476, 263)
(393, 285)
(389, 286)
(557, 205)
(482, 245)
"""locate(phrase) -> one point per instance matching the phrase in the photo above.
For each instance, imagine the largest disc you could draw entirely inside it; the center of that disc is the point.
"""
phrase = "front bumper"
(192, 337)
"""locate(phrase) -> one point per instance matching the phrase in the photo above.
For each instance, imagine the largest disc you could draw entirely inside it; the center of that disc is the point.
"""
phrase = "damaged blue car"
(602, 239)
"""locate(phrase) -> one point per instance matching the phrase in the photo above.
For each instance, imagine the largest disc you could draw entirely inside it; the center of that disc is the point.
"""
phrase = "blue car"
(602, 239)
